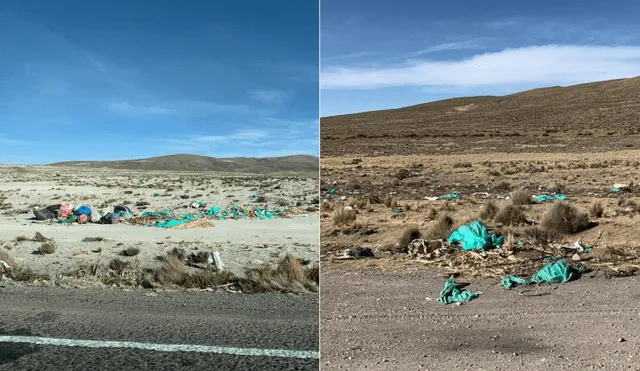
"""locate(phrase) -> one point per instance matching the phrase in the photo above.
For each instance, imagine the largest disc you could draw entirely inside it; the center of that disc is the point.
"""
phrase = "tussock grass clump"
(40, 238)
(47, 248)
(391, 202)
(596, 210)
(289, 275)
(541, 236)
(409, 233)
(432, 214)
(441, 229)
(488, 211)
(402, 174)
(565, 218)
(342, 216)
(521, 197)
(93, 239)
(510, 215)
(119, 265)
(130, 251)
(22, 238)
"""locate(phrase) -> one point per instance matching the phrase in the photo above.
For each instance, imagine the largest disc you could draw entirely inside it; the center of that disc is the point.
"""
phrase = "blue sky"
(107, 80)
(383, 54)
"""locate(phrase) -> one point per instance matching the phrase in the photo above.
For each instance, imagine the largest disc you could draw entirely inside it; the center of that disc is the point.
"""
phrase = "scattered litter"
(546, 198)
(217, 261)
(474, 236)
(557, 272)
(357, 252)
(398, 210)
(450, 196)
(617, 187)
(331, 191)
(453, 293)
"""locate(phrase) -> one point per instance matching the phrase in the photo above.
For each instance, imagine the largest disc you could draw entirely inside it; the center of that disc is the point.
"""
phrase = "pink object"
(66, 210)
(82, 218)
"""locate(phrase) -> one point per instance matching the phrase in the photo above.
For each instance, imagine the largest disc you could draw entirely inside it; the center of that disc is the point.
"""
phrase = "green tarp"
(452, 293)
(557, 272)
(474, 236)
(545, 198)
(450, 196)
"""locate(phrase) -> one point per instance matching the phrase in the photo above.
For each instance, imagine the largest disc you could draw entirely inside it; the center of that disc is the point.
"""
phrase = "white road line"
(162, 347)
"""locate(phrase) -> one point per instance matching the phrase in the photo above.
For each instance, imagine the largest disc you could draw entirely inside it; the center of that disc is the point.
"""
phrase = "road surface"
(80, 329)
(373, 320)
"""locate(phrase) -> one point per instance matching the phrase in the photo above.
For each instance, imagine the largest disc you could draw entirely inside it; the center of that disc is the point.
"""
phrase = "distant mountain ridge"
(195, 163)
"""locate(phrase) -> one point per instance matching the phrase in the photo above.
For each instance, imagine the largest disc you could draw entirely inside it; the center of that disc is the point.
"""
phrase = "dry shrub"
(130, 251)
(342, 216)
(409, 233)
(93, 239)
(557, 188)
(47, 248)
(440, 229)
(22, 238)
(628, 204)
(596, 210)
(488, 211)
(40, 238)
(510, 215)
(171, 271)
(119, 265)
(541, 236)
(289, 275)
(402, 174)
(521, 197)
(565, 218)
(502, 186)
(391, 202)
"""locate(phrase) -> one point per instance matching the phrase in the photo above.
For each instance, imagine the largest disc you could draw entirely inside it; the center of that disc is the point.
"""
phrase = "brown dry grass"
(342, 216)
(408, 234)
(488, 211)
(521, 197)
(565, 218)
(440, 229)
(596, 210)
(510, 215)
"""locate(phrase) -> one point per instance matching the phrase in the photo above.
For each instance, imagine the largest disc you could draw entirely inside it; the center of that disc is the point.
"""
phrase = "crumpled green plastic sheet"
(451, 293)
(558, 272)
(545, 198)
(450, 196)
(474, 236)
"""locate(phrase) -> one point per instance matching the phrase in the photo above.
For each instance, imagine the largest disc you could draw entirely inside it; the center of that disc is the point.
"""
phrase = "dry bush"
(93, 239)
(557, 188)
(488, 211)
(289, 275)
(402, 174)
(25, 274)
(391, 202)
(47, 248)
(541, 236)
(441, 229)
(119, 265)
(502, 186)
(342, 216)
(171, 271)
(22, 238)
(40, 238)
(510, 215)
(409, 233)
(565, 218)
(130, 251)
(628, 204)
(596, 210)
(521, 197)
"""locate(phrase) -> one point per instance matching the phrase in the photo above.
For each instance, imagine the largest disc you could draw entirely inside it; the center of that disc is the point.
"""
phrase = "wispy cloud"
(249, 135)
(549, 64)
(4, 140)
(126, 108)
(270, 96)
(463, 45)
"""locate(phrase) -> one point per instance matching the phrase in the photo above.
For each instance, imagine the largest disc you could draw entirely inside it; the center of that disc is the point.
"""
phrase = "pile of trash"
(67, 213)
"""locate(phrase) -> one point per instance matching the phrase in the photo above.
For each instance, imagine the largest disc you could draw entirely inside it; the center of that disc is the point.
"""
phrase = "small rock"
(622, 340)
(576, 257)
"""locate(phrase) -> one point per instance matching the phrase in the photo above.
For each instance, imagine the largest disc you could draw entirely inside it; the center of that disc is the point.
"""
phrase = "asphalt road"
(250, 323)
(374, 320)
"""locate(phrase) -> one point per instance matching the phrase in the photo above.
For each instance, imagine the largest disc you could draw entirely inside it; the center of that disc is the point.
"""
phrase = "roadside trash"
(576, 246)
(331, 191)
(255, 196)
(557, 272)
(157, 195)
(357, 252)
(217, 261)
(617, 187)
(450, 196)
(425, 248)
(348, 208)
(474, 236)
(453, 293)
(4, 269)
(398, 210)
(196, 205)
(481, 194)
(546, 198)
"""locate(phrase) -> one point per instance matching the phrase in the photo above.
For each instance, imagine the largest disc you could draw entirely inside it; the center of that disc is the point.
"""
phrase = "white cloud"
(126, 108)
(270, 96)
(12, 142)
(543, 65)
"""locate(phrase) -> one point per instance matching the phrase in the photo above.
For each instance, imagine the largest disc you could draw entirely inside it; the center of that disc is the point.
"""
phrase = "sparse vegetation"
(130, 251)
(93, 239)
(488, 211)
(440, 229)
(521, 197)
(565, 218)
(48, 247)
(596, 210)
(409, 233)
(343, 216)
(510, 215)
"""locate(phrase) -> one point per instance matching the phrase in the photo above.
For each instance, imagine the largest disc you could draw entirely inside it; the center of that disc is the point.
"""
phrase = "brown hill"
(181, 162)
(591, 117)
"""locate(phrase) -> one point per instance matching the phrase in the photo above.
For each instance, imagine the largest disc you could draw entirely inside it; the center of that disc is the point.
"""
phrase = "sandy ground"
(373, 320)
(241, 243)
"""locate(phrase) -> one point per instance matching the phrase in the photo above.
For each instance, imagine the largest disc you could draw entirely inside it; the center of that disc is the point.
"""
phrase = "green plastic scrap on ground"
(615, 189)
(452, 293)
(450, 196)
(331, 191)
(474, 236)
(557, 272)
(398, 210)
(545, 198)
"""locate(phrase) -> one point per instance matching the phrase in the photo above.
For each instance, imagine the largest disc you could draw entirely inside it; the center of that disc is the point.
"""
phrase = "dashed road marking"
(251, 352)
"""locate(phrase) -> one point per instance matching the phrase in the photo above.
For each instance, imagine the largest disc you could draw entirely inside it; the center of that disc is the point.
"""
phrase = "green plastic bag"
(557, 272)
(451, 293)
(545, 198)
(474, 236)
